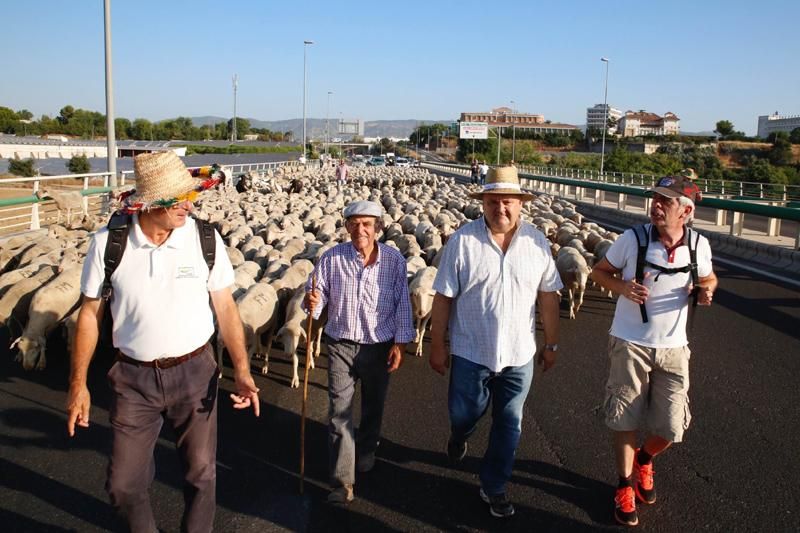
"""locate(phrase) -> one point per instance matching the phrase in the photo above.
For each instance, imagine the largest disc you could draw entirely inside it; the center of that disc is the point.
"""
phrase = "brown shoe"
(343, 494)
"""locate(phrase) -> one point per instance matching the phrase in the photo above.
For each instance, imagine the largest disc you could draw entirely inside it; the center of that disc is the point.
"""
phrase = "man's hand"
(312, 301)
(78, 404)
(704, 295)
(395, 358)
(546, 358)
(636, 292)
(439, 359)
(246, 392)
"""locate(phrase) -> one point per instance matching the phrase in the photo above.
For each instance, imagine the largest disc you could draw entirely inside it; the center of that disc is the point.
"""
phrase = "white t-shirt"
(484, 169)
(668, 302)
(160, 302)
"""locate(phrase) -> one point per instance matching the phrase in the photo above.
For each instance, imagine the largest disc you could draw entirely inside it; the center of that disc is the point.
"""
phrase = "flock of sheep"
(275, 231)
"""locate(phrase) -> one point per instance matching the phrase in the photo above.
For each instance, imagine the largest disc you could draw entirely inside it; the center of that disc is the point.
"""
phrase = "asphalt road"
(736, 470)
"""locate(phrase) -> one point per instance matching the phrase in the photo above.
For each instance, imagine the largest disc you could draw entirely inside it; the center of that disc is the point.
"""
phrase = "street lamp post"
(234, 133)
(327, 130)
(111, 142)
(305, 75)
(513, 133)
(605, 119)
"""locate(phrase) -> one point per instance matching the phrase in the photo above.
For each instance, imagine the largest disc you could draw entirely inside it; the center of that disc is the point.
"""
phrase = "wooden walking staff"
(305, 389)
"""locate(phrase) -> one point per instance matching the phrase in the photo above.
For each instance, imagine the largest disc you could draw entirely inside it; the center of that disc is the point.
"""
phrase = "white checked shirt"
(493, 314)
(366, 305)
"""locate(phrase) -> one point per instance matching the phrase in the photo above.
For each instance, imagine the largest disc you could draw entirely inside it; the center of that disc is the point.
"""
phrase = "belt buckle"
(163, 363)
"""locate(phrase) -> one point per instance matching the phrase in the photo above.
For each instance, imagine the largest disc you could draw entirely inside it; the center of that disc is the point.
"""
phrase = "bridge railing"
(21, 209)
(726, 208)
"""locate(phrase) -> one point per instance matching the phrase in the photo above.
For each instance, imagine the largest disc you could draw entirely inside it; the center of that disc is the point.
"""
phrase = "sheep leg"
(421, 335)
(42, 363)
(267, 349)
(295, 376)
(571, 293)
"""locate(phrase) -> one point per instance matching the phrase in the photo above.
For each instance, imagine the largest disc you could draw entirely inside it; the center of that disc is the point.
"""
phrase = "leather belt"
(164, 362)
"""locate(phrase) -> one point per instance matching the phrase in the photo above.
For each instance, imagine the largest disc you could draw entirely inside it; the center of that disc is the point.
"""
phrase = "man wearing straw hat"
(364, 285)
(165, 367)
(493, 273)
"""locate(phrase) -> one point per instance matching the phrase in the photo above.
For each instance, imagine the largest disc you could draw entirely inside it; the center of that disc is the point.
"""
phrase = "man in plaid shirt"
(363, 283)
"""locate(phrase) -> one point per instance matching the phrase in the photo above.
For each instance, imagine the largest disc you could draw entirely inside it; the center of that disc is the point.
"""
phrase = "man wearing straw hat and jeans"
(364, 285)
(494, 271)
(165, 367)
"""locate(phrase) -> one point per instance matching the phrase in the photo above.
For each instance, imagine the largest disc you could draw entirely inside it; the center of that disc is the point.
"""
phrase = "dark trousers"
(186, 396)
(348, 363)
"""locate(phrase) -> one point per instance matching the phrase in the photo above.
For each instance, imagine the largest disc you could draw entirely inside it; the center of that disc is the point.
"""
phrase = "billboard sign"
(473, 130)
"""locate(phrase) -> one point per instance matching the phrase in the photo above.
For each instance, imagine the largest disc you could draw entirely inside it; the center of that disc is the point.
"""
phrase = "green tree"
(24, 114)
(122, 128)
(142, 129)
(724, 128)
(242, 127)
(8, 120)
(781, 152)
(21, 167)
(65, 115)
(79, 164)
(794, 137)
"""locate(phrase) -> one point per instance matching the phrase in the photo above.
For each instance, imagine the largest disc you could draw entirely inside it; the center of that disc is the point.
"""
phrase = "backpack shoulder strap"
(642, 243)
(118, 229)
(208, 242)
(692, 239)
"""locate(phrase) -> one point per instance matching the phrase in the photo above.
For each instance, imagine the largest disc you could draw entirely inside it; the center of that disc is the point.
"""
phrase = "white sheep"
(293, 332)
(422, 293)
(65, 201)
(48, 306)
(574, 273)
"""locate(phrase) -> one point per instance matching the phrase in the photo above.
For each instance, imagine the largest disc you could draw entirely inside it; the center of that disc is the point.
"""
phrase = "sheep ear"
(13, 344)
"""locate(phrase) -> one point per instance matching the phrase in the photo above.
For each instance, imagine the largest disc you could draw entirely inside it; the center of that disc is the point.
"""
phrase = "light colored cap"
(688, 173)
(363, 208)
(503, 180)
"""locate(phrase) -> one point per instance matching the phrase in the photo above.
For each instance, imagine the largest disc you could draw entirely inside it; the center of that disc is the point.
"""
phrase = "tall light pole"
(327, 131)
(234, 133)
(305, 75)
(111, 144)
(605, 119)
(513, 133)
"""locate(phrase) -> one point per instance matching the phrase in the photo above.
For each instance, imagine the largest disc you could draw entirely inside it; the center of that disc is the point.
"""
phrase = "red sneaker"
(625, 507)
(645, 485)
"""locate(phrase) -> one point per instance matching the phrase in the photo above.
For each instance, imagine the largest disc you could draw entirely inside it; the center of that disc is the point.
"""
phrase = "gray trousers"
(348, 363)
(186, 395)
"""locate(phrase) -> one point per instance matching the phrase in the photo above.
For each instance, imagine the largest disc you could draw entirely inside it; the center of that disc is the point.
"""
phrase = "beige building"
(639, 123)
(506, 117)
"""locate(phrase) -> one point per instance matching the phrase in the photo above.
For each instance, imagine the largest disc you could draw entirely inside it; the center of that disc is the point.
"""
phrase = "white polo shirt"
(493, 314)
(160, 302)
(668, 301)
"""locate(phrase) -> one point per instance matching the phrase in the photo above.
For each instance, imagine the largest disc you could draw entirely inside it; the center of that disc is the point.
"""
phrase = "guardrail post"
(721, 218)
(773, 224)
(622, 201)
(598, 197)
(737, 222)
(35, 223)
(85, 200)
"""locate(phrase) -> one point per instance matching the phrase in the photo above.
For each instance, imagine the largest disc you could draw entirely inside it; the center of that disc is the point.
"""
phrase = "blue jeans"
(472, 387)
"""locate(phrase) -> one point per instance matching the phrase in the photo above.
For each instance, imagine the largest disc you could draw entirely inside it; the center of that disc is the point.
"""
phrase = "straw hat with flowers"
(162, 180)
(503, 180)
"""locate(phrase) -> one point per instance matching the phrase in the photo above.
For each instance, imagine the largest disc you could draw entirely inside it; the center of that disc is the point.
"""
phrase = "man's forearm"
(549, 312)
(230, 327)
(87, 331)
(440, 316)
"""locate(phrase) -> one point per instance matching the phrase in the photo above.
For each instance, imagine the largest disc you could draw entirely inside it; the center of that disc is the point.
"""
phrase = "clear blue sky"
(704, 60)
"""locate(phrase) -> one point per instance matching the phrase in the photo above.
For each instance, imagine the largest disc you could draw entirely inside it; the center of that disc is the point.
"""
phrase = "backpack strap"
(118, 228)
(208, 242)
(642, 243)
(693, 262)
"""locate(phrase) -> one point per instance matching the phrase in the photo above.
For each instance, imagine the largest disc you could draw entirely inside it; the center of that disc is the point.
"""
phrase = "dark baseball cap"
(675, 187)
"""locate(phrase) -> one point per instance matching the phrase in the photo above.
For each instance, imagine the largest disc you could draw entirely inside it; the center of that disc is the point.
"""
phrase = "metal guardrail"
(23, 212)
(726, 207)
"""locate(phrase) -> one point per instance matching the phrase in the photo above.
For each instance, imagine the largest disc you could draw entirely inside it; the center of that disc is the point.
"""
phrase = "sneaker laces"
(646, 476)
(625, 500)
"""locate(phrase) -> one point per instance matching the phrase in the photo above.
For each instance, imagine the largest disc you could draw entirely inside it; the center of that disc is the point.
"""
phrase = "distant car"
(377, 161)
(402, 162)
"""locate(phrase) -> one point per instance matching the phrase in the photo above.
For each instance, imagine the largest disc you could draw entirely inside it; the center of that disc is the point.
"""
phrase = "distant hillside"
(316, 126)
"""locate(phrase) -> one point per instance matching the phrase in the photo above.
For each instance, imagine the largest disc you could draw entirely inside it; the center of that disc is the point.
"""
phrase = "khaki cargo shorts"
(648, 389)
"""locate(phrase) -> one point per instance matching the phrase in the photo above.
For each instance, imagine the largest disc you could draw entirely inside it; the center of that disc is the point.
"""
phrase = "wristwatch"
(551, 347)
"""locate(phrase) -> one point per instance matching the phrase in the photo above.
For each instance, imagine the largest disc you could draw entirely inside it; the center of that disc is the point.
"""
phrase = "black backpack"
(118, 228)
(691, 238)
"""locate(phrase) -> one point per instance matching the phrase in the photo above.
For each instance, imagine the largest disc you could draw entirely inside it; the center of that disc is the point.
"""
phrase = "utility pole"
(111, 144)
(605, 119)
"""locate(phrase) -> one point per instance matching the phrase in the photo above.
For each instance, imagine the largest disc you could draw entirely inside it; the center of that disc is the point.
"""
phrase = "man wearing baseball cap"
(648, 381)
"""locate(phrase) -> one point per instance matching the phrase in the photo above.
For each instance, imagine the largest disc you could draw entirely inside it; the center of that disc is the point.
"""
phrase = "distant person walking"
(474, 172)
(483, 171)
(342, 171)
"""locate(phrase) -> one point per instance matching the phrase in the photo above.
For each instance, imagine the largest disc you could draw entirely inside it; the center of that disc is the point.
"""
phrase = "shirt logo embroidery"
(186, 272)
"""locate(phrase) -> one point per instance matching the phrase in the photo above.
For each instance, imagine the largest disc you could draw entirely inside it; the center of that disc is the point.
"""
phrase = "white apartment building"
(771, 123)
(636, 123)
(595, 117)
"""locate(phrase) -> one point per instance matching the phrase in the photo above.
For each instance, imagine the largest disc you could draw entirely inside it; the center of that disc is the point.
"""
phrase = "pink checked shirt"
(367, 305)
